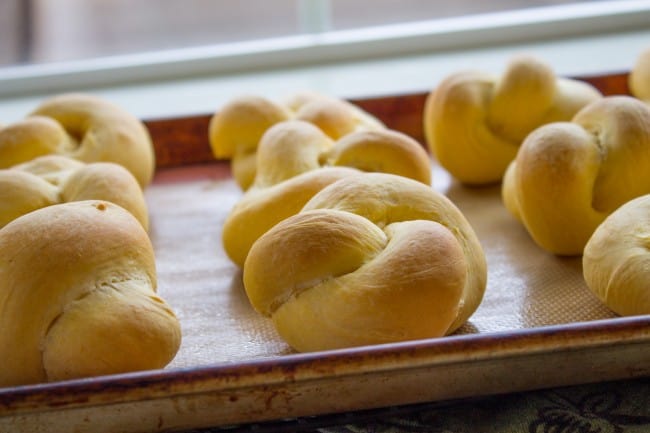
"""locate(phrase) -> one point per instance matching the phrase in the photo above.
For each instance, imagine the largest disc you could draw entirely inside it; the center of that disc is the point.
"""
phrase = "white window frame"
(323, 46)
(351, 63)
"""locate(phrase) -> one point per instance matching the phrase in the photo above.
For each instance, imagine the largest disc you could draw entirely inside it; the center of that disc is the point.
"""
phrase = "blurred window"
(45, 31)
(349, 14)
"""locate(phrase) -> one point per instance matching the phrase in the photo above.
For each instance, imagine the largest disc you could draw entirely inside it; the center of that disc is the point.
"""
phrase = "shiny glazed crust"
(569, 176)
(82, 127)
(616, 261)
(237, 128)
(54, 179)
(639, 78)
(370, 259)
(77, 296)
(295, 160)
(474, 122)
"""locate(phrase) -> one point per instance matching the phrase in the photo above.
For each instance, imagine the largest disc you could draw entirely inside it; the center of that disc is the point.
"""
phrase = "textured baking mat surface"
(527, 287)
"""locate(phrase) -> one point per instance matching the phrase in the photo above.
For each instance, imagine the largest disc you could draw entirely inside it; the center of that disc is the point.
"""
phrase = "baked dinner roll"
(568, 176)
(295, 160)
(54, 179)
(235, 131)
(475, 122)
(370, 259)
(639, 78)
(616, 261)
(335, 117)
(78, 296)
(82, 127)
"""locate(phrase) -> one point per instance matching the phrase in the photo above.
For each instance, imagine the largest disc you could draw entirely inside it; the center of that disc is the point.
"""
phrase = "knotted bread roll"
(295, 160)
(370, 259)
(475, 122)
(639, 78)
(77, 296)
(569, 176)
(53, 179)
(616, 261)
(82, 127)
(235, 131)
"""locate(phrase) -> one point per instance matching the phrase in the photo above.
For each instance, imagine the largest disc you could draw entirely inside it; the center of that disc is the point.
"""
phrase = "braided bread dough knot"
(370, 259)
(236, 130)
(295, 160)
(569, 176)
(78, 296)
(475, 122)
(616, 261)
(639, 78)
(82, 127)
(53, 179)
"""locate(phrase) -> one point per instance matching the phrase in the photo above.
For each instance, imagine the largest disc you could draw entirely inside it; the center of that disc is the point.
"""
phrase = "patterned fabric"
(615, 407)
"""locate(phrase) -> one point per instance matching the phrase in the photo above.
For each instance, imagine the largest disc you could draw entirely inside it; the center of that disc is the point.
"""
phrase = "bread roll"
(78, 296)
(616, 261)
(474, 122)
(82, 127)
(236, 130)
(370, 259)
(53, 179)
(295, 160)
(639, 78)
(569, 176)
(335, 117)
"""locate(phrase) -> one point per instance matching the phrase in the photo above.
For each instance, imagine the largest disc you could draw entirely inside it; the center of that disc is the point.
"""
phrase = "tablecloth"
(610, 407)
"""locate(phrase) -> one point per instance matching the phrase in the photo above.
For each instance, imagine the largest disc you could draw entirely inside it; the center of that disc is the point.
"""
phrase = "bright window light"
(50, 45)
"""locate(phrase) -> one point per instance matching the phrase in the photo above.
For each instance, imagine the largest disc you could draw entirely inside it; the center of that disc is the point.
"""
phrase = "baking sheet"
(527, 287)
(537, 319)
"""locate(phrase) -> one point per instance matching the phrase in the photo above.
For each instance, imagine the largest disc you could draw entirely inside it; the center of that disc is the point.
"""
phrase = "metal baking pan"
(538, 326)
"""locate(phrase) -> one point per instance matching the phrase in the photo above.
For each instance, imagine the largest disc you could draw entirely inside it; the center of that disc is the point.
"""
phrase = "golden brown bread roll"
(616, 261)
(82, 127)
(77, 296)
(335, 117)
(53, 179)
(474, 122)
(370, 259)
(639, 78)
(235, 131)
(295, 160)
(568, 176)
